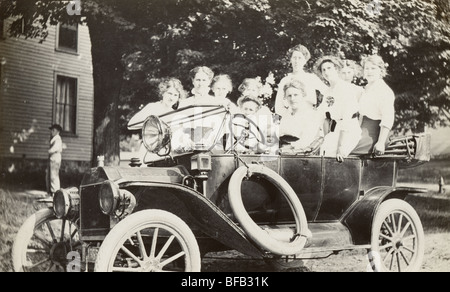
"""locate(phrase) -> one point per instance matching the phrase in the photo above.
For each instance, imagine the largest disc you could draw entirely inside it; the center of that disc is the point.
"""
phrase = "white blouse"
(377, 103)
(305, 125)
(346, 97)
(346, 105)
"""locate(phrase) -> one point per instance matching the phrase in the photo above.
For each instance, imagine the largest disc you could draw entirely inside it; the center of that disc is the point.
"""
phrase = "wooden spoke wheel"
(397, 238)
(45, 243)
(149, 241)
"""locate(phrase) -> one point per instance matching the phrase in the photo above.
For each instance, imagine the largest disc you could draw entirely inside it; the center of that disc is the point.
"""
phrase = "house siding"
(27, 91)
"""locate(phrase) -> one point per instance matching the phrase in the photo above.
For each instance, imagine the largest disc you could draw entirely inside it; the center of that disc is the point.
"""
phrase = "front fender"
(197, 211)
(359, 218)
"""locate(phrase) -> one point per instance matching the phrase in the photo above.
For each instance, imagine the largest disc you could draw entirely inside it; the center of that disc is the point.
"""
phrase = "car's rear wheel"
(44, 243)
(149, 241)
(397, 238)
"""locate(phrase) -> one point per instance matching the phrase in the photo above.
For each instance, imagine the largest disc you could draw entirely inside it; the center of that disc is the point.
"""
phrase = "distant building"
(42, 84)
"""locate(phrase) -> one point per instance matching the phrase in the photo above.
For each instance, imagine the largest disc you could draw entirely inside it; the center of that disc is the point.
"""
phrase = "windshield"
(197, 128)
(215, 129)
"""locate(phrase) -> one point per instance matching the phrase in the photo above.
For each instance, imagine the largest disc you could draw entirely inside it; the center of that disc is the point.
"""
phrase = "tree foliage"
(138, 42)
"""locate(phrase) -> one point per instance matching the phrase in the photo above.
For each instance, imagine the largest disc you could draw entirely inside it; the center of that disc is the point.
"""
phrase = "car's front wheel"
(45, 243)
(397, 238)
(149, 241)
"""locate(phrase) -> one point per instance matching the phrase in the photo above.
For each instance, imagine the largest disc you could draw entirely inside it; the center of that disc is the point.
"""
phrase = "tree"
(249, 39)
(136, 43)
(411, 36)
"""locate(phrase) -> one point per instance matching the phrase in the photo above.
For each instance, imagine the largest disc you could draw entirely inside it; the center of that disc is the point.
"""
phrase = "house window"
(68, 38)
(2, 73)
(2, 30)
(66, 103)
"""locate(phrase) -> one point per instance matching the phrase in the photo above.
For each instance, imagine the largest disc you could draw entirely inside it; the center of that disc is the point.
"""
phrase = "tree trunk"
(108, 75)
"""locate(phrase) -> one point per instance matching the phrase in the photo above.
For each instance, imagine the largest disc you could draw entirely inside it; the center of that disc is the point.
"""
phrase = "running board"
(327, 238)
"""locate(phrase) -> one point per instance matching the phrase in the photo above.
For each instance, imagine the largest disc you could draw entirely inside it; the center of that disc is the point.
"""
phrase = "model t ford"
(209, 194)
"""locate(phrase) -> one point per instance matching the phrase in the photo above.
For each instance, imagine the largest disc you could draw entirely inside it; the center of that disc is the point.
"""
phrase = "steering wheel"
(242, 129)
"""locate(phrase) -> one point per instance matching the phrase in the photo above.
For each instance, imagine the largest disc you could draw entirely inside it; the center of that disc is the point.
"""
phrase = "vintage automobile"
(198, 192)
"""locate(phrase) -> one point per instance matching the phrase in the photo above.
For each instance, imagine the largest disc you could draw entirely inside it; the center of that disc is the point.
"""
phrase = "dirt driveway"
(433, 210)
(437, 259)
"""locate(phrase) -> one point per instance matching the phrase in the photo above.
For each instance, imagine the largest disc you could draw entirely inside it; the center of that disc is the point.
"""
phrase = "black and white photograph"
(225, 136)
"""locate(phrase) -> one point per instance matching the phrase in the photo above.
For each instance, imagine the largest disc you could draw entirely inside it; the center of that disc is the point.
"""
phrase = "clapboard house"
(43, 84)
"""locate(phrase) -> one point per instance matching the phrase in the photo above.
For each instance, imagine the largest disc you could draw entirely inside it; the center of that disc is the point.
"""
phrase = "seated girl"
(266, 120)
(202, 131)
(377, 109)
(303, 123)
(249, 106)
(201, 78)
(351, 71)
(251, 87)
(346, 132)
(171, 92)
(222, 86)
(246, 141)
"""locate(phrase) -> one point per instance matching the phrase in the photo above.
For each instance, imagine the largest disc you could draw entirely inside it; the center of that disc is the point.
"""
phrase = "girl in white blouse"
(351, 71)
(303, 121)
(171, 92)
(252, 87)
(201, 78)
(222, 86)
(377, 108)
(299, 57)
(346, 132)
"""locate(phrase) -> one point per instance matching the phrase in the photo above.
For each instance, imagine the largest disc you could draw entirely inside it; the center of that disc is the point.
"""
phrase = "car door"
(304, 175)
(341, 185)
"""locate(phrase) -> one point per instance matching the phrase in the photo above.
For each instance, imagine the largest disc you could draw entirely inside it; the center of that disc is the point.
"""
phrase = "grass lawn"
(428, 173)
(15, 206)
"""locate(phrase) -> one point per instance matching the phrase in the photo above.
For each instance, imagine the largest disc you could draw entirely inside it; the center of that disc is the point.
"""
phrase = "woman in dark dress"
(377, 109)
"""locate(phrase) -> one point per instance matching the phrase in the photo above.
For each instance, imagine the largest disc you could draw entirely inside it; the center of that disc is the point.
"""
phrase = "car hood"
(135, 174)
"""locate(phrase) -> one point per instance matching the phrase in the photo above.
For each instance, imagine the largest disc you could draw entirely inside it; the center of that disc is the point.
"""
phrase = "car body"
(208, 197)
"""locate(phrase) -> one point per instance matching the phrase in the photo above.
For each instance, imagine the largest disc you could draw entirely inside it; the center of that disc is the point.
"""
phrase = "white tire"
(398, 240)
(44, 243)
(149, 241)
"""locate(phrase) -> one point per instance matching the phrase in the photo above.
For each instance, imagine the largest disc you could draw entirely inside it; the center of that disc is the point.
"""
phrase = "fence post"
(441, 185)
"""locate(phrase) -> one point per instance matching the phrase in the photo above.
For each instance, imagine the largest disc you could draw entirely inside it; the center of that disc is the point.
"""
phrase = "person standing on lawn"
(54, 160)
